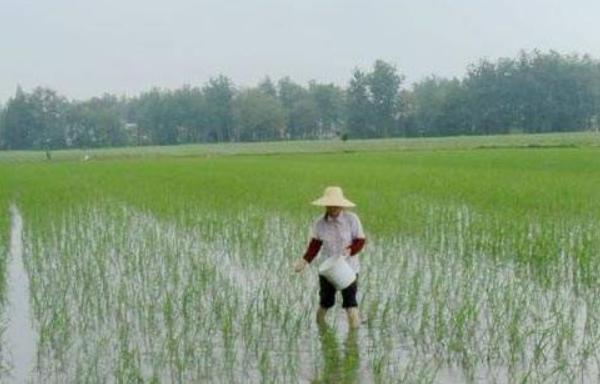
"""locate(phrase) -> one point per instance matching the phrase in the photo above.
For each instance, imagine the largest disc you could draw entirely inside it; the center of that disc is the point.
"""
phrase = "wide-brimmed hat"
(333, 197)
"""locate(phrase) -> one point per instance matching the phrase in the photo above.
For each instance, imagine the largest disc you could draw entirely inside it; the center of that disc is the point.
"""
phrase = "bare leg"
(353, 317)
(321, 312)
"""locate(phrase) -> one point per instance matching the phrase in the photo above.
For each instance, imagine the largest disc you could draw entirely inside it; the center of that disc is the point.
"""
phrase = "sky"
(86, 48)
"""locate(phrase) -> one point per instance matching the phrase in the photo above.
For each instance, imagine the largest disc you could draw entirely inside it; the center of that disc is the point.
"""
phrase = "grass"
(479, 263)
(523, 141)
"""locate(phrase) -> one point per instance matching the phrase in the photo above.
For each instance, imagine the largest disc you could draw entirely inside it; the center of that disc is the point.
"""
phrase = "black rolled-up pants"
(327, 294)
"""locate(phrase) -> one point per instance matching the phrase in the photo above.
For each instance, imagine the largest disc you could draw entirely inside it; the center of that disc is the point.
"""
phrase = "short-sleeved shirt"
(337, 234)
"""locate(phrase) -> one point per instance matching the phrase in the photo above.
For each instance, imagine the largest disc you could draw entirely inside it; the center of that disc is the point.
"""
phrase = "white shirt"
(337, 234)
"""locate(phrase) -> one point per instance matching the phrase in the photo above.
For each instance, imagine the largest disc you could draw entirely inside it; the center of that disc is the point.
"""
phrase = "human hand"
(299, 265)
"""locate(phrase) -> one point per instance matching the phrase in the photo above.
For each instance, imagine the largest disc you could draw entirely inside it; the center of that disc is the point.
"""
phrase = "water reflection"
(338, 366)
(20, 341)
(121, 296)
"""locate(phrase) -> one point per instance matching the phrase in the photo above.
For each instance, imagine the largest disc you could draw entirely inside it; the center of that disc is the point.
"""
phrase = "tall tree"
(96, 123)
(189, 115)
(154, 117)
(218, 97)
(437, 108)
(301, 113)
(359, 109)
(329, 100)
(267, 87)
(304, 118)
(384, 85)
(258, 116)
(17, 119)
(36, 120)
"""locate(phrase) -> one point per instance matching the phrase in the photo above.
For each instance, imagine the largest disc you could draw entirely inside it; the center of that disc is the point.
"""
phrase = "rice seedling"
(481, 266)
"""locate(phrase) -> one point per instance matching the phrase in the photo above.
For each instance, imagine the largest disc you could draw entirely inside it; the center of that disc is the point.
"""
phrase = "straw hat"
(333, 197)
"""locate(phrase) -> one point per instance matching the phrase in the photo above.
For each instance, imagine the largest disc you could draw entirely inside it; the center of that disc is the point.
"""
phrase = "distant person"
(340, 233)
(48, 155)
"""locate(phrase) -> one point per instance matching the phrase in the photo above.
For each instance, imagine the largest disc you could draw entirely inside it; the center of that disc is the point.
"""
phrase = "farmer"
(339, 232)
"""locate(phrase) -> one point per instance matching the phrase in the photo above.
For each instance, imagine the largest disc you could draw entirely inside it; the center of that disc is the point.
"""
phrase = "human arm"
(358, 237)
(356, 246)
(311, 252)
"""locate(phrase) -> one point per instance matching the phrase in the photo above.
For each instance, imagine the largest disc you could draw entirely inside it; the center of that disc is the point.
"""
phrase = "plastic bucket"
(337, 272)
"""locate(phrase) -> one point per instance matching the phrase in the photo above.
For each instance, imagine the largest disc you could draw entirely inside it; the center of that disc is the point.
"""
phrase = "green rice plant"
(179, 269)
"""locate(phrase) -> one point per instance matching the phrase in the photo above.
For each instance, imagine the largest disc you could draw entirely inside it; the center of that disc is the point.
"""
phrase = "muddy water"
(20, 335)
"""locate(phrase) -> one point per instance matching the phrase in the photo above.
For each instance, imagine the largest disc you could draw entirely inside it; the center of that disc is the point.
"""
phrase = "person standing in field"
(339, 233)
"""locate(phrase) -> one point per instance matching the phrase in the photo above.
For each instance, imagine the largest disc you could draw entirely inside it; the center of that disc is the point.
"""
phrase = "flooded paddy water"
(19, 344)
(111, 293)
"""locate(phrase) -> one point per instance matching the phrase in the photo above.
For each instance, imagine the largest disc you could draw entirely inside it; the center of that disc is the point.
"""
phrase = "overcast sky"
(85, 48)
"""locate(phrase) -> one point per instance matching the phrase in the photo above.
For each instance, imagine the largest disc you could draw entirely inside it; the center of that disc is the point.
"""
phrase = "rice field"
(481, 266)
(4, 248)
(548, 140)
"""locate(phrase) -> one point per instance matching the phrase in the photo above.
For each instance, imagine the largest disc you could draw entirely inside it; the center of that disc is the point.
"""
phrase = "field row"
(121, 292)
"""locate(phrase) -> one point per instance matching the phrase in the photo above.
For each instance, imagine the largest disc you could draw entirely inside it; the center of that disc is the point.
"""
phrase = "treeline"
(534, 92)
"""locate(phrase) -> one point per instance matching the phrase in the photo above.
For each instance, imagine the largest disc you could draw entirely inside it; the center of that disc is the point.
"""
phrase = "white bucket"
(337, 272)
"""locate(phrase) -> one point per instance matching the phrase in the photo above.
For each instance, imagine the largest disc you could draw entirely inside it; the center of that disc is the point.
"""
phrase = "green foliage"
(96, 123)
(329, 101)
(218, 94)
(373, 101)
(35, 120)
(258, 117)
(267, 87)
(384, 86)
(436, 107)
(534, 92)
(359, 111)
